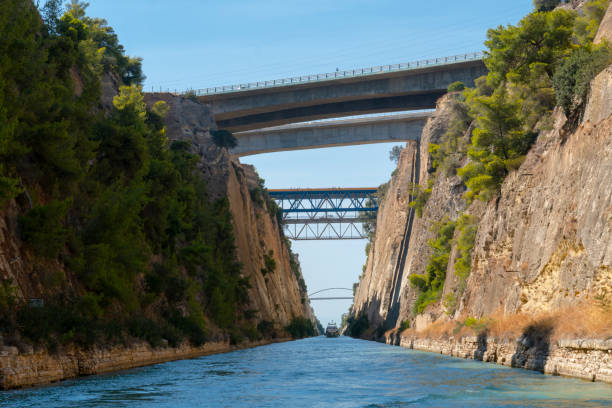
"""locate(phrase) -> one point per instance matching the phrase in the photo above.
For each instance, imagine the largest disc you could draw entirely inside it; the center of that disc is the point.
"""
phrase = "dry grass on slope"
(589, 320)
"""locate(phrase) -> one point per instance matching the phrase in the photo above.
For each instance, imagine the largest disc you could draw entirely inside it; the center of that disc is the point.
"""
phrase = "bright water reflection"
(318, 372)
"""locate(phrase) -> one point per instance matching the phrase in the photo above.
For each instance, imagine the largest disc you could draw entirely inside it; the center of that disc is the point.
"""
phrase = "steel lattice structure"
(325, 214)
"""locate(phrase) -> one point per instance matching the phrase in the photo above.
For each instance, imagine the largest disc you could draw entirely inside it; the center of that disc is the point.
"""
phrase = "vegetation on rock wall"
(572, 79)
(420, 196)
(430, 285)
(116, 214)
(300, 327)
(224, 138)
(467, 225)
(262, 198)
(547, 60)
(356, 326)
(449, 154)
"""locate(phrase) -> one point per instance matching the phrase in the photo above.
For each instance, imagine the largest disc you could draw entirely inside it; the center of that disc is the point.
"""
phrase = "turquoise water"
(318, 372)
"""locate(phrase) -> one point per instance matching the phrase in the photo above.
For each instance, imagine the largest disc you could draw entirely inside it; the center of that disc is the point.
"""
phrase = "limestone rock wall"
(40, 367)
(379, 282)
(400, 247)
(545, 243)
(277, 295)
(587, 359)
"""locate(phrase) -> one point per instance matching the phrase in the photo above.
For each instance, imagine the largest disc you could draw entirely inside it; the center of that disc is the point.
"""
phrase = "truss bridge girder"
(325, 214)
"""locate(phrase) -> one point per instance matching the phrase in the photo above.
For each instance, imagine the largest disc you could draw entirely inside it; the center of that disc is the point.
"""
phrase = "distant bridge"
(330, 298)
(325, 214)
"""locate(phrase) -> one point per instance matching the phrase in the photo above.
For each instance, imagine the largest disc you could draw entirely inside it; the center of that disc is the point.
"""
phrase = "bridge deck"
(338, 75)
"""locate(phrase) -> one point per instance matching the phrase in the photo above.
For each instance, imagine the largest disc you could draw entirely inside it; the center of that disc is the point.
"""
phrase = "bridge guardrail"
(351, 73)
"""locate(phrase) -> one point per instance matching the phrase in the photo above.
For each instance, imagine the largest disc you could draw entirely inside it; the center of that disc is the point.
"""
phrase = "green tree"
(431, 284)
(545, 5)
(456, 87)
(51, 12)
(587, 24)
(224, 138)
(573, 78)
(394, 153)
(520, 54)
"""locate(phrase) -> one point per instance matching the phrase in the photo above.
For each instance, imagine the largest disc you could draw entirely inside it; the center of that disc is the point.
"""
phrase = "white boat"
(332, 330)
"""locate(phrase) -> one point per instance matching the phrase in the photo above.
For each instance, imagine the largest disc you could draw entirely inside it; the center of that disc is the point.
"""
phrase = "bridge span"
(386, 88)
(312, 135)
(325, 213)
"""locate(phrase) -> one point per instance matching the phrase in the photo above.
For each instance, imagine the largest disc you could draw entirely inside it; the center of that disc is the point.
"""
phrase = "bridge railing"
(351, 73)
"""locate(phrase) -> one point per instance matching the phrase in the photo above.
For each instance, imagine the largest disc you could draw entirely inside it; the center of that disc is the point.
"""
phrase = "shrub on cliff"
(456, 87)
(419, 196)
(269, 263)
(467, 226)
(108, 194)
(572, 79)
(300, 327)
(356, 326)
(546, 5)
(451, 149)
(430, 285)
(224, 138)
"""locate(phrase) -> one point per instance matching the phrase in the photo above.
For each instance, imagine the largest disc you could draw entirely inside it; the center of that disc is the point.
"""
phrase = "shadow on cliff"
(533, 346)
(482, 345)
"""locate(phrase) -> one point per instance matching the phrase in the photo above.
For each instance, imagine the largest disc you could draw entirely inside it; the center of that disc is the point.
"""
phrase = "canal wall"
(581, 358)
(541, 246)
(276, 296)
(18, 370)
(183, 289)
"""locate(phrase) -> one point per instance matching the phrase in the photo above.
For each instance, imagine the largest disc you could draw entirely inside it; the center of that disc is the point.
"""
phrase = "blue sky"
(199, 43)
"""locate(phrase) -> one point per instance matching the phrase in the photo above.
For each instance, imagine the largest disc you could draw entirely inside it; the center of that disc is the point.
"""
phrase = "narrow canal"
(318, 372)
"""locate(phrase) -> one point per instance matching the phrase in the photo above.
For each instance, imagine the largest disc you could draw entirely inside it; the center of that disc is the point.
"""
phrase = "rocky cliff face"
(277, 296)
(547, 241)
(543, 245)
(400, 247)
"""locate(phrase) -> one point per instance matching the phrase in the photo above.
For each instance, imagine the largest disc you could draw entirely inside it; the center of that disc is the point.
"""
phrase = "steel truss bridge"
(327, 213)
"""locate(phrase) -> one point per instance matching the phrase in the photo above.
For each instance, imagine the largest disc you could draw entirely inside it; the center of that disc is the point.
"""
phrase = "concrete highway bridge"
(298, 113)
(345, 132)
(385, 88)
(264, 115)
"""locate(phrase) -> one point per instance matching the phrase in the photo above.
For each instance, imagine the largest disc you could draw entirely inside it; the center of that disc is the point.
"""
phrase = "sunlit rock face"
(545, 243)
(275, 297)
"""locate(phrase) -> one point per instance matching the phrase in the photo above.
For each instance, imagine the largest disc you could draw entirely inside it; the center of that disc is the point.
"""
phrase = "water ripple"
(318, 372)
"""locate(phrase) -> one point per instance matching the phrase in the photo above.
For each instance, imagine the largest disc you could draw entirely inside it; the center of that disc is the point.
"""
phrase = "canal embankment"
(157, 238)
(580, 358)
(35, 368)
(455, 247)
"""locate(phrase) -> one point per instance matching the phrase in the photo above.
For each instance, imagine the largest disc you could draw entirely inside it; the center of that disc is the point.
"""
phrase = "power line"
(390, 46)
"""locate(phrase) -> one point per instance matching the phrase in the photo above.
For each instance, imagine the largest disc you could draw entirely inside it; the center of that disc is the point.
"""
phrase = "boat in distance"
(332, 330)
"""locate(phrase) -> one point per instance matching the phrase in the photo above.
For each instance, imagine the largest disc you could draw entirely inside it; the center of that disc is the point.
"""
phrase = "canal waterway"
(318, 372)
